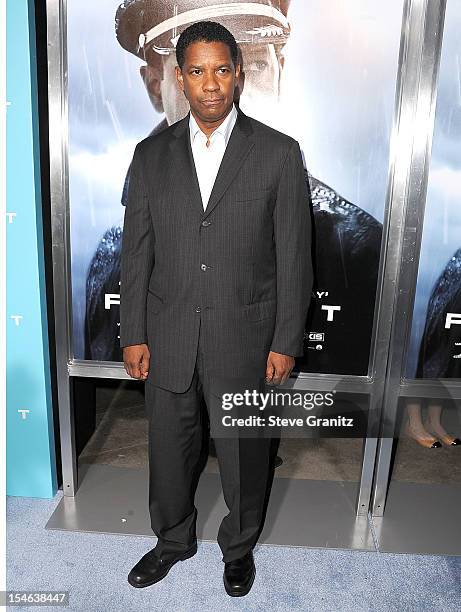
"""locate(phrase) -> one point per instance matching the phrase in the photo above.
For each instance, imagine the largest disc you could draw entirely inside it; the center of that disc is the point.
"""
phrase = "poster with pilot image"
(435, 342)
(323, 72)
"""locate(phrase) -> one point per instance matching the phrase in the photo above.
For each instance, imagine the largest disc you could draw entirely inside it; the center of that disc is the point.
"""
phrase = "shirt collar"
(225, 128)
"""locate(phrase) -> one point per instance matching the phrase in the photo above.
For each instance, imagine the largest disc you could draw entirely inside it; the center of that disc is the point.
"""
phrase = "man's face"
(257, 86)
(207, 79)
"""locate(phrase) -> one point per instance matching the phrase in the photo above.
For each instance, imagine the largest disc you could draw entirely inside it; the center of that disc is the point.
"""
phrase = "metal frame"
(376, 383)
(412, 157)
(59, 195)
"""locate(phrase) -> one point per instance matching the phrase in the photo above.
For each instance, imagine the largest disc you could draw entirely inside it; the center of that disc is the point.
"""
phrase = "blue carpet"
(94, 568)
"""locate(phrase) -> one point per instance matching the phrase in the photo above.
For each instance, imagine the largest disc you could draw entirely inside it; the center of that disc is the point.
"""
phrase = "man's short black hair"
(205, 31)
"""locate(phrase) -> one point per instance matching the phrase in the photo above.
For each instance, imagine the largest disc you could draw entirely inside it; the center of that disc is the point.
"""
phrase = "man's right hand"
(136, 360)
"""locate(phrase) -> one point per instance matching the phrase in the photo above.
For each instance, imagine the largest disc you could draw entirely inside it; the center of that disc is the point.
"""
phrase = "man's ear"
(179, 78)
(240, 80)
(239, 83)
(152, 77)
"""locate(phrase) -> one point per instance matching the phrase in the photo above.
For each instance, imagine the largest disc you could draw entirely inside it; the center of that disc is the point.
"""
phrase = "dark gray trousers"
(178, 451)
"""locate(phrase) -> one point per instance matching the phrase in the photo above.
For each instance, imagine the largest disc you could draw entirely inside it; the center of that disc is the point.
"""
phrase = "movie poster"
(324, 73)
(435, 343)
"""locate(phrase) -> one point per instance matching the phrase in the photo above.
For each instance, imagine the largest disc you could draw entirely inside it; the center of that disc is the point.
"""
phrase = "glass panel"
(430, 426)
(435, 345)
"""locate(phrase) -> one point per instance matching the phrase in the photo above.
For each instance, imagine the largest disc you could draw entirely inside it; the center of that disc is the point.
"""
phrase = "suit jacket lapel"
(239, 145)
(183, 160)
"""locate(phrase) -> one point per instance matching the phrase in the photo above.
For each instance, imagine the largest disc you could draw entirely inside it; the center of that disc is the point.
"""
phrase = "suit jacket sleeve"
(292, 234)
(137, 258)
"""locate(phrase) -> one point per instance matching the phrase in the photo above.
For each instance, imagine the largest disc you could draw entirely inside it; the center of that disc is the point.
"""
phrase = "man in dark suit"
(215, 285)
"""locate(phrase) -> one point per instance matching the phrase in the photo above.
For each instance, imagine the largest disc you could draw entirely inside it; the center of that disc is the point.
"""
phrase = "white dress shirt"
(207, 159)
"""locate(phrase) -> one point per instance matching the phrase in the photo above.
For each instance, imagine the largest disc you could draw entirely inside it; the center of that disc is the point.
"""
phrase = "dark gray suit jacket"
(241, 270)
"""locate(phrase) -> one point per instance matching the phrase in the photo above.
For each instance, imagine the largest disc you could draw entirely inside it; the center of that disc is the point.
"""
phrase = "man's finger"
(285, 376)
(144, 367)
(282, 376)
(276, 376)
(270, 370)
(134, 370)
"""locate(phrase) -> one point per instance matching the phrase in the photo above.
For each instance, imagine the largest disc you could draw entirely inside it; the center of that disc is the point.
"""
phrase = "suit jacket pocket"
(261, 310)
(247, 195)
(154, 302)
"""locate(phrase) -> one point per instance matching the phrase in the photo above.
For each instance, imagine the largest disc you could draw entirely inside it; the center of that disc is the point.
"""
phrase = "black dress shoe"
(239, 575)
(152, 568)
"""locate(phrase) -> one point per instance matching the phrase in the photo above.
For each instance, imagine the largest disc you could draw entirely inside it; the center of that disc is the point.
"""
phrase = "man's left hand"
(278, 368)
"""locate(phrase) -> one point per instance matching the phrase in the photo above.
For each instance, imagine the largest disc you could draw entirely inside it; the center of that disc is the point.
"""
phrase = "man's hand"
(136, 360)
(278, 368)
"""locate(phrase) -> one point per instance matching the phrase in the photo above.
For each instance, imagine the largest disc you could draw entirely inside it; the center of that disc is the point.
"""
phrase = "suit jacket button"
(206, 223)
(198, 309)
(204, 267)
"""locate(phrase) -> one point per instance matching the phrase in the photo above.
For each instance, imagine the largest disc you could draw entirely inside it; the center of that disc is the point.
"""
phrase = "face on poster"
(435, 342)
(325, 75)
